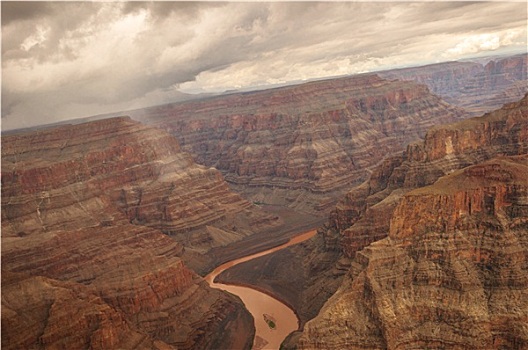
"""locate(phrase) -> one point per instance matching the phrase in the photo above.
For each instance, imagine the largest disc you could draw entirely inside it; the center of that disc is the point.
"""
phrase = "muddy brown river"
(274, 320)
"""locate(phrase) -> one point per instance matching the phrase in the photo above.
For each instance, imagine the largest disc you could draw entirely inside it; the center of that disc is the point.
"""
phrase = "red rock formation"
(475, 87)
(303, 145)
(306, 275)
(55, 314)
(362, 217)
(452, 273)
(140, 169)
(80, 248)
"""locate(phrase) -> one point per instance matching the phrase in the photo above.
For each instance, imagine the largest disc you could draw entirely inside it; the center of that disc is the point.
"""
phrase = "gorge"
(302, 146)
(448, 238)
(274, 320)
(110, 228)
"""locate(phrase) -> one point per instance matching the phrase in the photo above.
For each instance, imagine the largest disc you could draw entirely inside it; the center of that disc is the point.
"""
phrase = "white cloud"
(36, 39)
(477, 43)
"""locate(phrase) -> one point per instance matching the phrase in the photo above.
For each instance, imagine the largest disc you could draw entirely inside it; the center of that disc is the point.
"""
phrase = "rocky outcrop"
(137, 275)
(452, 273)
(306, 275)
(47, 313)
(83, 210)
(140, 169)
(362, 217)
(302, 146)
(473, 86)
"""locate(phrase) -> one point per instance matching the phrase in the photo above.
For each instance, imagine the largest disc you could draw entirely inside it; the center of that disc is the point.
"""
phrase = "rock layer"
(140, 169)
(82, 210)
(308, 274)
(363, 215)
(301, 146)
(476, 87)
(452, 273)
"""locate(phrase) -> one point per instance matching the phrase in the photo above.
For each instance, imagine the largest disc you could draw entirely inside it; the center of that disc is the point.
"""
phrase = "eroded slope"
(451, 274)
(83, 208)
(302, 146)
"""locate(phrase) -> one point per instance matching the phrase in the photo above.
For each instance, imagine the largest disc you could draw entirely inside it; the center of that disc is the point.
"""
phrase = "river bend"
(274, 320)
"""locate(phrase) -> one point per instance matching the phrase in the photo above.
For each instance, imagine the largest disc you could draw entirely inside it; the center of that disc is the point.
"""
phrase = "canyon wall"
(140, 169)
(302, 146)
(84, 261)
(306, 275)
(476, 87)
(468, 217)
(363, 215)
(452, 274)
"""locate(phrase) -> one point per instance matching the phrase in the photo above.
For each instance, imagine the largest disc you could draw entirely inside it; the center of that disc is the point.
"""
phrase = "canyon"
(302, 146)
(93, 217)
(477, 87)
(109, 226)
(308, 274)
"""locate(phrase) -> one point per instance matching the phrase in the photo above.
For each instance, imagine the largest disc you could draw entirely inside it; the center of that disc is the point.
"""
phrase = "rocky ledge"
(301, 146)
(85, 262)
(452, 274)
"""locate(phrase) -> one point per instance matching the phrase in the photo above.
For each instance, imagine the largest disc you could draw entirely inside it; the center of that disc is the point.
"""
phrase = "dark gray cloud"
(13, 11)
(62, 60)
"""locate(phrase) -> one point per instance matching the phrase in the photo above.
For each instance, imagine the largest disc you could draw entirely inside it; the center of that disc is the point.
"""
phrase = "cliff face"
(81, 241)
(452, 273)
(475, 87)
(308, 274)
(137, 168)
(363, 215)
(301, 146)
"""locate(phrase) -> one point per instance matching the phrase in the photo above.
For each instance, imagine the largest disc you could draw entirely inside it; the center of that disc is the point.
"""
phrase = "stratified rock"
(302, 146)
(140, 169)
(306, 275)
(453, 273)
(362, 217)
(80, 226)
(473, 86)
(38, 311)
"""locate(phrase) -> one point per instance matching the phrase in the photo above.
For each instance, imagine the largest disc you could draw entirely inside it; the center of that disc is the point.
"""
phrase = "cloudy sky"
(65, 60)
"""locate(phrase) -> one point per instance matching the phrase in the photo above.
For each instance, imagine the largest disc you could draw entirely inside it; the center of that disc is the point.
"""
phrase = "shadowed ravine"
(274, 320)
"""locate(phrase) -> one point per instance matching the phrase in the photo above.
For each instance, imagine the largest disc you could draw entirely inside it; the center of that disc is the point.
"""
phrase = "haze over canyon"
(66, 60)
(110, 225)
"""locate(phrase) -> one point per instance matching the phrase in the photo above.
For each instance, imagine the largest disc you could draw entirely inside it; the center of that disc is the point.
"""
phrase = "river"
(274, 320)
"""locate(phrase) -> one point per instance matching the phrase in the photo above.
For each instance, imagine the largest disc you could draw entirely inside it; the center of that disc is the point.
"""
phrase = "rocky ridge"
(451, 274)
(83, 210)
(301, 146)
(476, 87)
(315, 268)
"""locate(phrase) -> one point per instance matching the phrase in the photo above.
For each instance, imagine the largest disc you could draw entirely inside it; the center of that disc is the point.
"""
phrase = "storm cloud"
(65, 60)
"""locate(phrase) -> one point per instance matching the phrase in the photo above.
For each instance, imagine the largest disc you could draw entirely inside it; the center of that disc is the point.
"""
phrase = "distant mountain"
(302, 146)
(474, 86)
